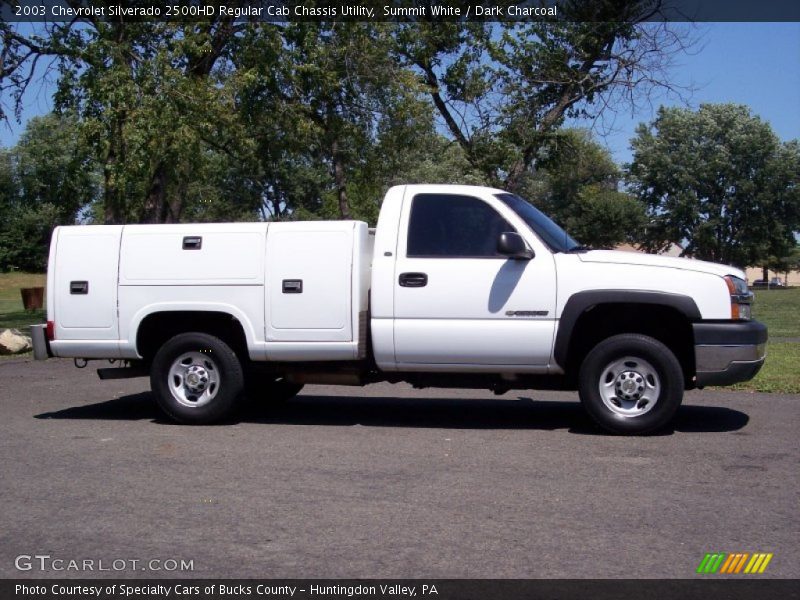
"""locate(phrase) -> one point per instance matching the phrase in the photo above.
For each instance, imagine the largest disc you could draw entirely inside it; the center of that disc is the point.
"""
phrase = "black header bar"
(282, 11)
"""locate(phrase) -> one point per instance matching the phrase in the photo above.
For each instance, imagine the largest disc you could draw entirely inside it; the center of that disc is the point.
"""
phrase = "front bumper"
(728, 352)
(41, 347)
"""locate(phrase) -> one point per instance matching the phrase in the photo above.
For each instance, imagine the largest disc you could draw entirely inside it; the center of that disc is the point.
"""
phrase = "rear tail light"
(51, 330)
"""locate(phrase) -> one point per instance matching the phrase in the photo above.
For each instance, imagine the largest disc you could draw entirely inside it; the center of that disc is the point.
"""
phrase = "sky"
(756, 64)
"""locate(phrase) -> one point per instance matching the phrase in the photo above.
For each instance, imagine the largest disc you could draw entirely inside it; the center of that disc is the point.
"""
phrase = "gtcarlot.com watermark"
(46, 562)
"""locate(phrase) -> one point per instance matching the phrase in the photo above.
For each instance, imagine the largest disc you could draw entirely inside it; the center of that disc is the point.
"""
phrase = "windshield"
(551, 234)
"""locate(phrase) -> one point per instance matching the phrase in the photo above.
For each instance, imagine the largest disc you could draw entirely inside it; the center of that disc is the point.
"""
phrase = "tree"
(782, 264)
(149, 100)
(502, 91)
(719, 180)
(232, 118)
(147, 96)
(577, 185)
(324, 108)
(605, 218)
(54, 165)
(46, 180)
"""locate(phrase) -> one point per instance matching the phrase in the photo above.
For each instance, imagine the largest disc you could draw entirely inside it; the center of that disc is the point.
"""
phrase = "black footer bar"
(398, 589)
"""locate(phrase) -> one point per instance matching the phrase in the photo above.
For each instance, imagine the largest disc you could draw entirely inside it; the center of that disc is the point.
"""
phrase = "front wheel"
(196, 378)
(631, 384)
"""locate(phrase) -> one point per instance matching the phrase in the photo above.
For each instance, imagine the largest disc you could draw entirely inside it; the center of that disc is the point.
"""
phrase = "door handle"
(413, 279)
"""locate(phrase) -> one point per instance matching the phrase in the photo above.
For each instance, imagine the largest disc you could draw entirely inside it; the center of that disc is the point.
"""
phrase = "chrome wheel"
(630, 386)
(193, 379)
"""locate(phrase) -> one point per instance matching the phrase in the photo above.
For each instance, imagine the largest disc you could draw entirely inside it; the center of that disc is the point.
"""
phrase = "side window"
(444, 225)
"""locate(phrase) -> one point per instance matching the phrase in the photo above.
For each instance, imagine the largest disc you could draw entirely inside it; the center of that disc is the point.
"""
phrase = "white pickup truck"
(458, 286)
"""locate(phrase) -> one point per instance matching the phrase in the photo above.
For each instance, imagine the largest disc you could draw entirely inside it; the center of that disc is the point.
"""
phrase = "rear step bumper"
(122, 372)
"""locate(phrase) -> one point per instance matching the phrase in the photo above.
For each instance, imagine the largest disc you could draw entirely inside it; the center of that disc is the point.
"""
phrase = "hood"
(655, 260)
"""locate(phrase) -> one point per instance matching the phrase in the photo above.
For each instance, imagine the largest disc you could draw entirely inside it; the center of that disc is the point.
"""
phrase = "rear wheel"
(196, 378)
(631, 384)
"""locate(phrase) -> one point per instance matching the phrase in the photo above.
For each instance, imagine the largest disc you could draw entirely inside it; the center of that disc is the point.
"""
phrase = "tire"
(631, 384)
(196, 378)
(270, 388)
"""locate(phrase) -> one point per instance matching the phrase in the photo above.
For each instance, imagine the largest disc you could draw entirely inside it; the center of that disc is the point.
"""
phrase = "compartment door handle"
(78, 287)
(292, 286)
(192, 242)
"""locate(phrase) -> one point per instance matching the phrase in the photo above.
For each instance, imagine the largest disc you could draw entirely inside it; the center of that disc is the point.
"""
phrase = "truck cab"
(446, 296)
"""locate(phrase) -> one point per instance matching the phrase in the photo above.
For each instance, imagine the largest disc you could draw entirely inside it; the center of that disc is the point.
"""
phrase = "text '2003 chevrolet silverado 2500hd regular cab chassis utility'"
(458, 286)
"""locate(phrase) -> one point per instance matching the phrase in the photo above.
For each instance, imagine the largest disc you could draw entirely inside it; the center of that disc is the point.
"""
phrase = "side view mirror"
(512, 245)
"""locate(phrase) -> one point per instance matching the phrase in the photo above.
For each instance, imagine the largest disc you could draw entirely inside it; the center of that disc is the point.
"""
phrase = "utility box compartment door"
(200, 254)
(309, 282)
(87, 260)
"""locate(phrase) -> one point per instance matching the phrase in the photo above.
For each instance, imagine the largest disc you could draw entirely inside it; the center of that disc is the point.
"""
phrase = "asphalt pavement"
(385, 481)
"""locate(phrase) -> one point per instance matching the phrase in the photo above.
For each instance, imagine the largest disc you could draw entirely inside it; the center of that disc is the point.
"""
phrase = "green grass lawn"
(780, 311)
(21, 319)
(12, 315)
(779, 373)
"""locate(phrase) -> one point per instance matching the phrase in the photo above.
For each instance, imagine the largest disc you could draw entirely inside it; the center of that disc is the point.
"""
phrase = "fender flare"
(580, 302)
(167, 307)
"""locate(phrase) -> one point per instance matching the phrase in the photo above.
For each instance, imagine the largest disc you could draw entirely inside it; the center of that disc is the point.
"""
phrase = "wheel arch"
(591, 316)
(152, 328)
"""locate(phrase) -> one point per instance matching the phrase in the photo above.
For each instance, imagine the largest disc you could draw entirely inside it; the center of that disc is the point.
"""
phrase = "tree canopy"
(577, 183)
(45, 180)
(305, 117)
(225, 119)
(719, 180)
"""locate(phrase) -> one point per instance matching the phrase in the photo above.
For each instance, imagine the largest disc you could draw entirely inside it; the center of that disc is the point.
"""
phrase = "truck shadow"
(444, 413)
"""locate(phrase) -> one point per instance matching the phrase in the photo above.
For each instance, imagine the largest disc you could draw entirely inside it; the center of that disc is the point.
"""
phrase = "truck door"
(457, 301)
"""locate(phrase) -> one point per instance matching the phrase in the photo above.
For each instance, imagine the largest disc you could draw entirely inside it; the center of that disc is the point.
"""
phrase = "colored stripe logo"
(734, 563)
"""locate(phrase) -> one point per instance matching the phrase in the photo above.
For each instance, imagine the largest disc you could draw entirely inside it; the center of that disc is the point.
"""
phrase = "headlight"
(741, 297)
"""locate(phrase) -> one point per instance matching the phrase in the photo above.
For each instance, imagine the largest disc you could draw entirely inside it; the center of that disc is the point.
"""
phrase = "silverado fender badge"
(527, 313)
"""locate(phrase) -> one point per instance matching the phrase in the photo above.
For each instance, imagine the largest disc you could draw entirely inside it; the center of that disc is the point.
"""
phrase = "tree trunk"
(155, 204)
(341, 183)
(174, 207)
(113, 211)
(517, 171)
(114, 204)
(110, 192)
(765, 274)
